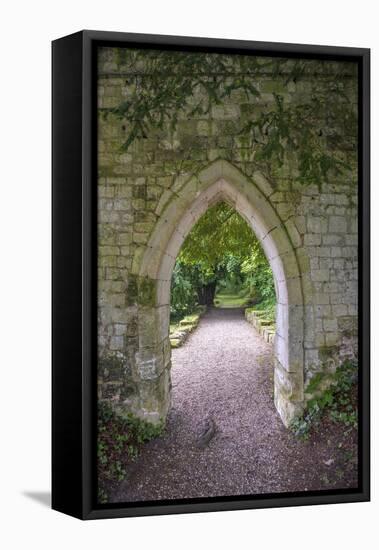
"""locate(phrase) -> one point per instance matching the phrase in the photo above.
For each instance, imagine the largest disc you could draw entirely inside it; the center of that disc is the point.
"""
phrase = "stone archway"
(219, 181)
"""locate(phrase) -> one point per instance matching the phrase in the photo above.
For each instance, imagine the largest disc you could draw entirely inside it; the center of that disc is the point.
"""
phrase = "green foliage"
(221, 237)
(117, 440)
(221, 248)
(297, 130)
(183, 292)
(269, 306)
(161, 84)
(318, 133)
(339, 401)
(258, 276)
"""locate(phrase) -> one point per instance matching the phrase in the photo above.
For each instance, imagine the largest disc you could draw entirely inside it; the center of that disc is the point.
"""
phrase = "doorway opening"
(220, 182)
(221, 264)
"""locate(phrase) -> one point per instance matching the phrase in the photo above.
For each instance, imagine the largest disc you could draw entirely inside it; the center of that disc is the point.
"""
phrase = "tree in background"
(258, 274)
(220, 253)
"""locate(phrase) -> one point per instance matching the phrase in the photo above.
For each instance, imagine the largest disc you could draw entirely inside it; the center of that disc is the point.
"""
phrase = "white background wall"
(26, 31)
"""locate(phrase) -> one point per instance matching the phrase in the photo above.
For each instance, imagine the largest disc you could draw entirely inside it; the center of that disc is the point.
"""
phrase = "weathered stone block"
(116, 343)
(337, 224)
(320, 275)
(312, 239)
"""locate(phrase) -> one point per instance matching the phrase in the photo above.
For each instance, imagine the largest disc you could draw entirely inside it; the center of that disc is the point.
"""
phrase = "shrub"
(339, 401)
(118, 439)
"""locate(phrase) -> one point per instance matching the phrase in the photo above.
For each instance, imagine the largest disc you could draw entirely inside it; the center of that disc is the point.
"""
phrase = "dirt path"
(225, 372)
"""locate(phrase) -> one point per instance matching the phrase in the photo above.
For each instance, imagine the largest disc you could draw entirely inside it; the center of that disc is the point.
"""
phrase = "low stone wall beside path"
(264, 326)
(186, 325)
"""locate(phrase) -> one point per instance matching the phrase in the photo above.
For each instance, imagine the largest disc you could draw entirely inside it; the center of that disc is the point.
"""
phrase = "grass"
(231, 300)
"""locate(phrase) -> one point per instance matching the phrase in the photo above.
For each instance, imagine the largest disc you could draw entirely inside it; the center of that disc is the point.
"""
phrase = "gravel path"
(224, 374)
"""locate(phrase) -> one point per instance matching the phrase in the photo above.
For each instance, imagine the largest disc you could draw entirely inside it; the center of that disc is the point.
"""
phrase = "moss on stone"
(327, 352)
(132, 290)
(147, 291)
(175, 342)
(111, 367)
(265, 322)
(128, 390)
(189, 320)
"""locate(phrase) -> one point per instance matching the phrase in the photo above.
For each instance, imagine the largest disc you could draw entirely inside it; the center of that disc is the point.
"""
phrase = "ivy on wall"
(315, 130)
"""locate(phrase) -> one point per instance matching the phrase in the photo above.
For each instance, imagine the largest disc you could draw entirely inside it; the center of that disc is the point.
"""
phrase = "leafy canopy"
(221, 232)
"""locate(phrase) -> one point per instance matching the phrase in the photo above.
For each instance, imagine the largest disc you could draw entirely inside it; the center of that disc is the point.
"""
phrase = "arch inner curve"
(222, 182)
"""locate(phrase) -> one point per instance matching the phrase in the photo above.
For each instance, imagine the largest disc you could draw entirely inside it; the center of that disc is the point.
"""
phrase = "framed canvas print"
(210, 274)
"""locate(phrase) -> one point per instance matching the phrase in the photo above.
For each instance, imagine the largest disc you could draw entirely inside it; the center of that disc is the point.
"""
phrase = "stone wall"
(145, 192)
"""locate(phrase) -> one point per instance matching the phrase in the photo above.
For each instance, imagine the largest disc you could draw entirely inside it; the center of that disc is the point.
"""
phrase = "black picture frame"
(74, 275)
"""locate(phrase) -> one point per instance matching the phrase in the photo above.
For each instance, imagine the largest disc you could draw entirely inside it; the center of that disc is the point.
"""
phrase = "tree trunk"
(206, 294)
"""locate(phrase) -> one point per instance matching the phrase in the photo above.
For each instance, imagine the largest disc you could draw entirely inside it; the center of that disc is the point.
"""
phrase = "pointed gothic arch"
(179, 211)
